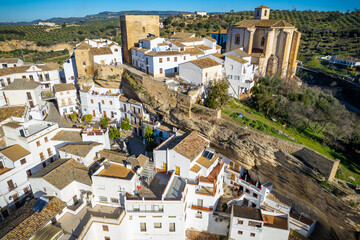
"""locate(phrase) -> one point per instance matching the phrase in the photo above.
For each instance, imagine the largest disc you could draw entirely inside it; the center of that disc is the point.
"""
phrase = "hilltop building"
(201, 13)
(134, 28)
(10, 62)
(345, 61)
(272, 44)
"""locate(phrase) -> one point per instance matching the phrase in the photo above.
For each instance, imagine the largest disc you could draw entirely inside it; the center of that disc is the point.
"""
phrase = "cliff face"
(264, 156)
(24, 44)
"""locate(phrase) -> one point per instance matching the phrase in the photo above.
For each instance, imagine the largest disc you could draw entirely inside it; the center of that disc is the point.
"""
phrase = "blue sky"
(27, 10)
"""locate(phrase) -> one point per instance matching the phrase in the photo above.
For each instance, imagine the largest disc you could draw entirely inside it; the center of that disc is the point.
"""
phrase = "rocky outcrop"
(266, 157)
(24, 44)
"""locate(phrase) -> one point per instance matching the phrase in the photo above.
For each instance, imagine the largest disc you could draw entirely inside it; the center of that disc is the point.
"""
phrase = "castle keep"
(272, 44)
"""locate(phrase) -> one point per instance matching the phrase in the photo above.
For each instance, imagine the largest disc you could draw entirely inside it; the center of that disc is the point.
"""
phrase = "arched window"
(237, 39)
(262, 41)
(143, 29)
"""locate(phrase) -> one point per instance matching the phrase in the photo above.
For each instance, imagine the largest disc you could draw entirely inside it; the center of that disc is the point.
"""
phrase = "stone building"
(272, 44)
(134, 28)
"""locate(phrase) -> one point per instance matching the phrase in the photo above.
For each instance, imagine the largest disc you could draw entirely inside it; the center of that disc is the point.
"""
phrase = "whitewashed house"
(15, 165)
(82, 152)
(66, 98)
(45, 74)
(35, 136)
(10, 62)
(201, 72)
(27, 92)
(101, 136)
(65, 179)
(161, 57)
(49, 24)
(70, 71)
(201, 13)
(240, 72)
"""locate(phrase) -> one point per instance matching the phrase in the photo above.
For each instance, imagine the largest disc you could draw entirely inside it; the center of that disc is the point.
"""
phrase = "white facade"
(66, 98)
(201, 13)
(70, 71)
(346, 61)
(98, 136)
(161, 57)
(49, 24)
(240, 72)
(10, 62)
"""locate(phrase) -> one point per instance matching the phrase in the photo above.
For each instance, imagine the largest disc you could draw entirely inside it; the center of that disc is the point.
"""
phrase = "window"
(177, 170)
(258, 13)
(200, 202)
(206, 74)
(69, 101)
(116, 50)
(168, 59)
(237, 39)
(175, 59)
(172, 227)
(47, 77)
(254, 224)
(240, 222)
(161, 70)
(184, 58)
(2, 82)
(107, 238)
(255, 195)
(38, 143)
(28, 94)
(105, 228)
(143, 29)
(1, 165)
(247, 190)
(92, 101)
(84, 63)
(24, 76)
(142, 227)
(23, 161)
(244, 70)
(236, 77)
(160, 60)
(46, 139)
(252, 234)
(102, 102)
(8, 80)
(31, 77)
(229, 76)
(102, 199)
(262, 41)
(231, 67)
(11, 185)
(110, 102)
(240, 232)
(157, 225)
(114, 200)
(94, 113)
(49, 151)
(265, 13)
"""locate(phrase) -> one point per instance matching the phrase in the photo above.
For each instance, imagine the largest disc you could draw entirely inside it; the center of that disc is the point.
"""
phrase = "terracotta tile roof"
(191, 146)
(301, 218)
(275, 221)
(211, 39)
(113, 156)
(218, 55)
(205, 63)
(22, 84)
(12, 124)
(48, 66)
(6, 112)
(177, 43)
(262, 6)
(221, 31)
(23, 69)
(141, 49)
(191, 39)
(100, 51)
(346, 58)
(34, 221)
(203, 47)
(196, 168)
(193, 51)
(247, 212)
(241, 53)
(262, 23)
(163, 44)
(9, 60)
(15, 152)
(236, 58)
(277, 197)
(149, 38)
(85, 88)
(64, 87)
(218, 47)
(62, 172)
(182, 35)
(117, 171)
(67, 136)
(79, 149)
(142, 160)
(163, 53)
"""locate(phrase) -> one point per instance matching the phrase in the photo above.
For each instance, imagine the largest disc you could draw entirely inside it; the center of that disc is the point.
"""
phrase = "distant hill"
(101, 15)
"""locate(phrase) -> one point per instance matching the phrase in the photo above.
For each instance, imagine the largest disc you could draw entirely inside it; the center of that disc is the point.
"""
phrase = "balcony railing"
(160, 210)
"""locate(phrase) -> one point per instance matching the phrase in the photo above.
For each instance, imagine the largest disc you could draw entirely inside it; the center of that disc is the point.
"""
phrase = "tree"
(218, 93)
(63, 25)
(114, 133)
(88, 117)
(150, 143)
(125, 124)
(104, 122)
(73, 116)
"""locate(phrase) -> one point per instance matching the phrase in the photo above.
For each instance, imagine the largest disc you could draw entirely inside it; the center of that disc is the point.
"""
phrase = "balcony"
(160, 210)
(202, 209)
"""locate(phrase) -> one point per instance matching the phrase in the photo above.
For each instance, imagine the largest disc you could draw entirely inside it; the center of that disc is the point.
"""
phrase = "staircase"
(147, 173)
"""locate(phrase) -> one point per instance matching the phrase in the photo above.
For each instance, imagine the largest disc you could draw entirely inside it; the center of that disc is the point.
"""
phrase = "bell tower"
(262, 13)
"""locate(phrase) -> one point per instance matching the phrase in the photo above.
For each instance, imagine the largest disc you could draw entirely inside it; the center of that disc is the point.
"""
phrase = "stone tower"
(134, 28)
(272, 44)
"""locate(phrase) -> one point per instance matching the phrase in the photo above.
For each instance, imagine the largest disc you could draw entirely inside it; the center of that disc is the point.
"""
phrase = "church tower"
(262, 13)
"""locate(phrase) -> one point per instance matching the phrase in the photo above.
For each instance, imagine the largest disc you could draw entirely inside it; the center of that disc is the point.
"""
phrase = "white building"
(66, 98)
(66, 179)
(15, 164)
(70, 71)
(201, 72)
(101, 136)
(45, 74)
(35, 136)
(26, 92)
(82, 152)
(161, 57)
(254, 223)
(201, 13)
(345, 61)
(10, 62)
(240, 72)
(109, 102)
(49, 24)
